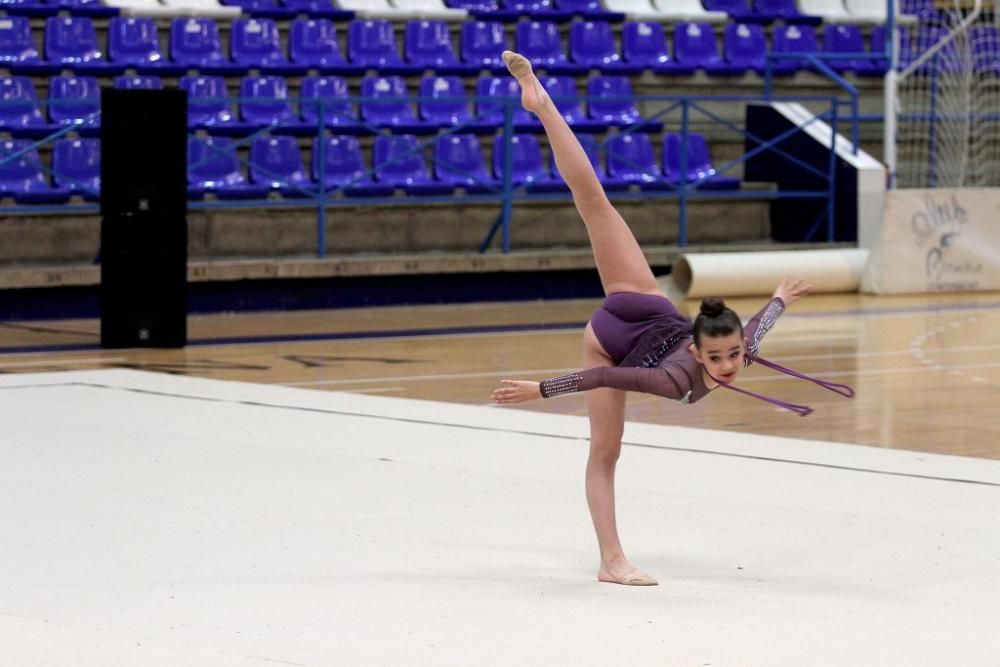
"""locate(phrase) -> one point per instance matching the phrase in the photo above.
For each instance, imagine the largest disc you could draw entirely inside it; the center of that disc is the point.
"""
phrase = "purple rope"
(842, 389)
(801, 410)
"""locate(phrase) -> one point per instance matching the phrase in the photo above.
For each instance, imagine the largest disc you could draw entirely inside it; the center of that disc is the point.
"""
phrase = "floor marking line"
(410, 420)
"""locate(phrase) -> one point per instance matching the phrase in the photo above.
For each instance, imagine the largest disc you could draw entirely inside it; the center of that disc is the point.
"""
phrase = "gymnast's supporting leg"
(606, 410)
(622, 268)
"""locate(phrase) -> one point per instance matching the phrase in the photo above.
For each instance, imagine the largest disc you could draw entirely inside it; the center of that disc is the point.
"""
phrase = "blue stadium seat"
(390, 107)
(372, 43)
(699, 163)
(592, 44)
(590, 10)
(644, 44)
(444, 112)
(906, 49)
(459, 162)
(19, 111)
(76, 166)
(260, 8)
(399, 162)
(783, 10)
(846, 39)
(877, 47)
(18, 52)
(985, 45)
(737, 9)
(339, 114)
(695, 46)
(23, 177)
(427, 44)
(214, 168)
(277, 163)
(610, 103)
(475, 6)
(482, 42)
(195, 43)
(631, 159)
(541, 43)
(524, 7)
(793, 39)
(745, 46)
(527, 165)
(71, 42)
(76, 101)
(313, 44)
(916, 7)
(138, 82)
(32, 8)
(318, 9)
(95, 8)
(563, 91)
(343, 166)
(542, 10)
(946, 59)
(493, 92)
(209, 107)
(135, 42)
(255, 44)
(265, 103)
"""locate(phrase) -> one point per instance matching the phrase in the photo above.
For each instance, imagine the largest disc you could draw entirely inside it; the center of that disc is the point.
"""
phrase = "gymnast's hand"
(516, 391)
(791, 290)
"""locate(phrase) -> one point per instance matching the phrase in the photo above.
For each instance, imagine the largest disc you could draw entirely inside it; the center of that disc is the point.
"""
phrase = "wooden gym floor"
(925, 368)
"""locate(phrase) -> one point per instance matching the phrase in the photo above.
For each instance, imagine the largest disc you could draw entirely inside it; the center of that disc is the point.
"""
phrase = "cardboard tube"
(697, 275)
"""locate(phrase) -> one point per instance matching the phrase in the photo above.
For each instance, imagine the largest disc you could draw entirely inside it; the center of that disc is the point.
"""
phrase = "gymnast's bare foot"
(533, 95)
(620, 571)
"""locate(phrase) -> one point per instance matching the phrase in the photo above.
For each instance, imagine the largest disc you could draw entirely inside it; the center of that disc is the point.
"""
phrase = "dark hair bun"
(712, 306)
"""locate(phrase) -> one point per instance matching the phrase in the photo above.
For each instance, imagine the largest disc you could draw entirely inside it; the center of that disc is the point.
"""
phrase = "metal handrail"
(505, 191)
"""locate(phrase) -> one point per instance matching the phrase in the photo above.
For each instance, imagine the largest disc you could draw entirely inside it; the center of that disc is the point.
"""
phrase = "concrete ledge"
(375, 265)
(382, 230)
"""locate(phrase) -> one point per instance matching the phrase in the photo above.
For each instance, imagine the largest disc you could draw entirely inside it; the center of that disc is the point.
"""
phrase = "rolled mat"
(697, 275)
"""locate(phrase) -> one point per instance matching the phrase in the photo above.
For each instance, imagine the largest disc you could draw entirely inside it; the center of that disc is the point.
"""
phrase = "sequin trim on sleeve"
(564, 384)
(767, 319)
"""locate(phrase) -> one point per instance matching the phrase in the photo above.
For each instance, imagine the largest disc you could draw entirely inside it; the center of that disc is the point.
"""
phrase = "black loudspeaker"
(143, 218)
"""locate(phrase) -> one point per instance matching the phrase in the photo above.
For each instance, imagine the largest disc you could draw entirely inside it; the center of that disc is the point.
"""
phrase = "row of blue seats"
(756, 11)
(276, 164)
(133, 43)
(385, 103)
(97, 8)
(760, 11)
(506, 10)
(53, 7)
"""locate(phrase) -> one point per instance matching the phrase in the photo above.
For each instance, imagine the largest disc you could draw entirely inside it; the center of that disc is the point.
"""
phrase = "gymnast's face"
(722, 356)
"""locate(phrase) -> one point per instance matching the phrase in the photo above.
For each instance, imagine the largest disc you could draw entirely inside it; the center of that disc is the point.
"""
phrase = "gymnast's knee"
(605, 452)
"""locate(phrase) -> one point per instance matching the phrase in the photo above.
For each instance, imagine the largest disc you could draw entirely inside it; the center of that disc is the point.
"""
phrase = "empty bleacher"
(386, 75)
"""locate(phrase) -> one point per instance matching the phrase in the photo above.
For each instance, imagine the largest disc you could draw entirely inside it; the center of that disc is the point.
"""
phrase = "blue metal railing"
(505, 191)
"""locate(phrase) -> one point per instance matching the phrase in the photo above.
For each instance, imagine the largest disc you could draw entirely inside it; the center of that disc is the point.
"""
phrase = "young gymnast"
(637, 340)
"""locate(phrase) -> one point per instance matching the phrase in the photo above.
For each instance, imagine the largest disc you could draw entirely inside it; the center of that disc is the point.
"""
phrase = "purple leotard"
(624, 317)
(649, 341)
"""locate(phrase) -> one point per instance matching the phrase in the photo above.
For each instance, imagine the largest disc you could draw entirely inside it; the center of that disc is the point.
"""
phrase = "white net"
(947, 97)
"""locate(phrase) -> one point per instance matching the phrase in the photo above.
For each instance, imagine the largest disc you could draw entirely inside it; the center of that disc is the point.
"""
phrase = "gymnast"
(636, 340)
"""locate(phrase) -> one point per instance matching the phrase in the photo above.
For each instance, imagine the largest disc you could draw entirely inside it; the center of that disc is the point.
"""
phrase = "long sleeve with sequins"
(759, 325)
(675, 378)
